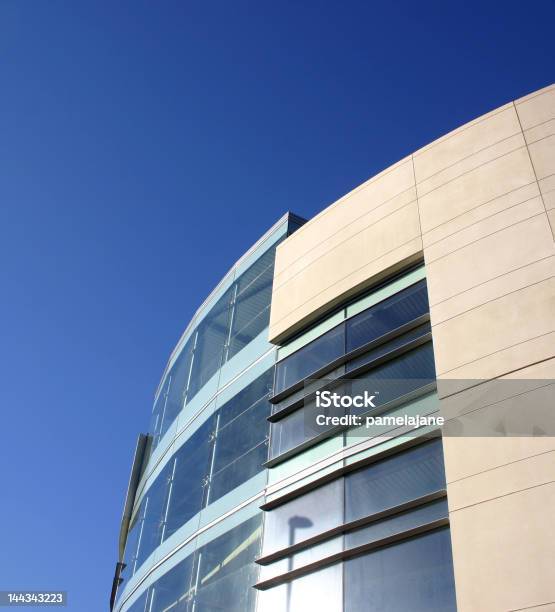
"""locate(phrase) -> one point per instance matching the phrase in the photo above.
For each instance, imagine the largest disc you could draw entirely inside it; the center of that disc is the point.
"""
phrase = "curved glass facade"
(242, 507)
(208, 442)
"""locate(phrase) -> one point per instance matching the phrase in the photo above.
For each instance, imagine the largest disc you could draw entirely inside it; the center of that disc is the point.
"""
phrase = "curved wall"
(209, 436)
(478, 205)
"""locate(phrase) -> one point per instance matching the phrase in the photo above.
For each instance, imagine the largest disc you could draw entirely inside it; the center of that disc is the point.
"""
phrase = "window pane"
(300, 426)
(238, 472)
(211, 336)
(227, 571)
(177, 382)
(132, 543)
(157, 417)
(254, 394)
(251, 312)
(304, 517)
(394, 480)
(387, 315)
(387, 347)
(191, 467)
(171, 591)
(415, 575)
(154, 510)
(139, 605)
(321, 591)
(302, 558)
(402, 375)
(310, 358)
(397, 524)
(240, 435)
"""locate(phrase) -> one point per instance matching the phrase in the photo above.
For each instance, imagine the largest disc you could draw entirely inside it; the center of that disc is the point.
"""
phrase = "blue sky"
(144, 146)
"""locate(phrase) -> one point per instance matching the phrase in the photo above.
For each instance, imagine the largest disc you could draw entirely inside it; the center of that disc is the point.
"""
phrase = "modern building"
(425, 286)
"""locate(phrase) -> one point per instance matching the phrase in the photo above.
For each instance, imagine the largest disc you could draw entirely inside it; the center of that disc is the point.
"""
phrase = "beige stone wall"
(479, 206)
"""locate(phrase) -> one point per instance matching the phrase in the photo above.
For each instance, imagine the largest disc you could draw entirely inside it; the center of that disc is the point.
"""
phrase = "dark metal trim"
(347, 554)
(395, 333)
(344, 469)
(377, 516)
(335, 430)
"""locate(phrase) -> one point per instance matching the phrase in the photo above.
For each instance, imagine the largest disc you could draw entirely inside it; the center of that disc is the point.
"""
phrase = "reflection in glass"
(415, 575)
(321, 590)
(304, 517)
(251, 311)
(225, 570)
(398, 523)
(172, 590)
(386, 316)
(394, 480)
(310, 358)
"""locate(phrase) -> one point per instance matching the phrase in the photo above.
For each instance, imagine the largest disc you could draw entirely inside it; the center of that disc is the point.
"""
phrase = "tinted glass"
(238, 472)
(387, 316)
(300, 426)
(188, 479)
(387, 347)
(398, 523)
(321, 591)
(415, 575)
(226, 570)
(251, 311)
(177, 381)
(394, 480)
(139, 605)
(171, 591)
(154, 504)
(255, 394)
(395, 378)
(157, 417)
(239, 436)
(310, 358)
(211, 335)
(304, 517)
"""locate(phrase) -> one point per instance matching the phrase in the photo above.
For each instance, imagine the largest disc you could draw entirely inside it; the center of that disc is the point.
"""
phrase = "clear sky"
(144, 146)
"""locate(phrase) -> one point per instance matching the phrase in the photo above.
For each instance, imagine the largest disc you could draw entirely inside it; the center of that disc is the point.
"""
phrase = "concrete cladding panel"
(478, 205)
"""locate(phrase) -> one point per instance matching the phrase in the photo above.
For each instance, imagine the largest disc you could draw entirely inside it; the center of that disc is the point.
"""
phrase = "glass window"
(238, 472)
(139, 605)
(188, 478)
(304, 517)
(415, 575)
(240, 446)
(132, 543)
(154, 504)
(302, 558)
(254, 394)
(310, 358)
(172, 590)
(241, 435)
(226, 570)
(321, 590)
(398, 523)
(387, 347)
(300, 426)
(157, 417)
(386, 316)
(395, 378)
(212, 334)
(394, 480)
(177, 382)
(251, 311)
